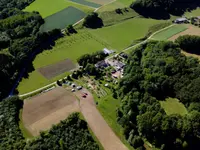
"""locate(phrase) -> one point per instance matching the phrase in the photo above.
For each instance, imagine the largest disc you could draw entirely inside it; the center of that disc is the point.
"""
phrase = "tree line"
(20, 41)
(154, 72)
(164, 7)
(189, 43)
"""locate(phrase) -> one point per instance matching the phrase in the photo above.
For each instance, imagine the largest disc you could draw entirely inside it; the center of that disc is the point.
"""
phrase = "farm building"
(124, 55)
(107, 52)
(181, 20)
(101, 64)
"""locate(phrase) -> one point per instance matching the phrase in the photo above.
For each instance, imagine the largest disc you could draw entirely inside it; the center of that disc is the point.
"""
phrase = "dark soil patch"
(54, 70)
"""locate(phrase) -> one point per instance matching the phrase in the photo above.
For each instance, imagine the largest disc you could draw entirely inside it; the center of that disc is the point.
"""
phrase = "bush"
(118, 11)
(59, 83)
(70, 29)
(137, 142)
(93, 21)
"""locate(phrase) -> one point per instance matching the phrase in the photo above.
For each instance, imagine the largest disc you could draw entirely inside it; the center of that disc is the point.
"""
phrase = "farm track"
(98, 125)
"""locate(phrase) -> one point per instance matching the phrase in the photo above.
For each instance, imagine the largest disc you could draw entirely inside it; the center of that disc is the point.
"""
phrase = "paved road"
(98, 125)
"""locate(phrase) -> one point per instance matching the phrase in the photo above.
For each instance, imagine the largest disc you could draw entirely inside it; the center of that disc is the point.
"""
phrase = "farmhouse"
(124, 55)
(181, 20)
(101, 64)
(107, 52)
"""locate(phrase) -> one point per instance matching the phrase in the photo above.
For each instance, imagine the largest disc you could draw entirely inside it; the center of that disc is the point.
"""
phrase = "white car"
(73, 90)
(79, 87)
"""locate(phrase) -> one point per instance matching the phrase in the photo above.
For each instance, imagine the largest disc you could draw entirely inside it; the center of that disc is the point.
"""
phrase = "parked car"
(73, 90)
(79, 87)
(73, 85)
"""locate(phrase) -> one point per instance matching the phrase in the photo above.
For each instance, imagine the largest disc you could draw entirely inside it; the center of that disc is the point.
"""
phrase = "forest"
(10, 134)
(154, 72)
(70, 134)
(20, 41)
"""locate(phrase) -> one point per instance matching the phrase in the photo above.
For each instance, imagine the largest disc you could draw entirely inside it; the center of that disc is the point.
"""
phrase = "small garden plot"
(173, 106)
(166, 34)
(62, 19)
(87, 3)
(57, 69)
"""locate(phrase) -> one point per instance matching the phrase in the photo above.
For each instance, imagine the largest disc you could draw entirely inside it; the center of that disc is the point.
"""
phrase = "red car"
(84, 95)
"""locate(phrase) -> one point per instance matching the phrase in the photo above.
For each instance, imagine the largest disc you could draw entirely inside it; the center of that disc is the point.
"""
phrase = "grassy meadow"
(71, 47)
(173, 106)
(166, 34)
(122, 35)
(56, 20)
(50, 7)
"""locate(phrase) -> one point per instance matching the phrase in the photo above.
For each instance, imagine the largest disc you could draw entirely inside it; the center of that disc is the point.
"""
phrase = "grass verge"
(25, 132)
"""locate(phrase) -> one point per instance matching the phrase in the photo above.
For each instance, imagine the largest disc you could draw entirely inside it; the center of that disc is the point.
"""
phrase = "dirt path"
(96, 122)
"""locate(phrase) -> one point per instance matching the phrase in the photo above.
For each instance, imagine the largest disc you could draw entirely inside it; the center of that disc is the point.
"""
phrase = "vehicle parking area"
(42, 111)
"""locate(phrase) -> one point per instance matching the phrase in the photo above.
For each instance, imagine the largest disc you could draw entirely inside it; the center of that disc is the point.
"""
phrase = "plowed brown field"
(42, 111)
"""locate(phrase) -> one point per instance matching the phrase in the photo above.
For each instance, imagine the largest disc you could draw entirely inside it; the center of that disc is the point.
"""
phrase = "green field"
(193, 13)
(126, 2)
(173, 106)
(166, 34)
(122, 35)
(50, 7)
(111, 17)
(116, 4)
(112, 6)
(71, 47)
(71, 15)
(87, 3)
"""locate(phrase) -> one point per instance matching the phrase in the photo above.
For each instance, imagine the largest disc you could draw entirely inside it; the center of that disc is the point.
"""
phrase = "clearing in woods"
(44, 110)
(173, 106)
